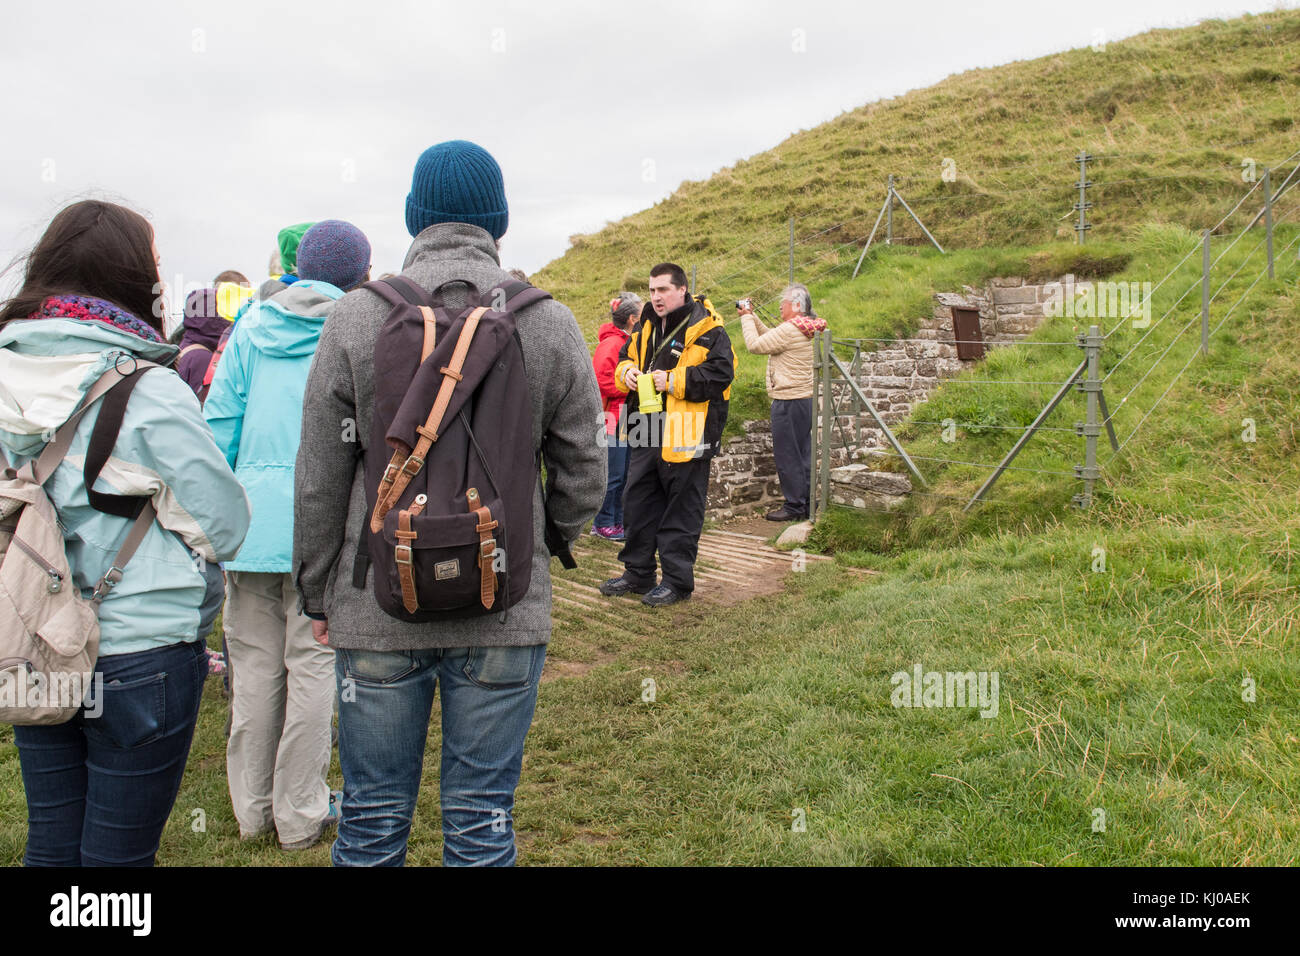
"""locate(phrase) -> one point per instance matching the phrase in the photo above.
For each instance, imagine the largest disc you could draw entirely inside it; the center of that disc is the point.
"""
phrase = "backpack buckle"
(111, 577)
(402, 554)
(487, 548)
(390, 474)
(410, 471)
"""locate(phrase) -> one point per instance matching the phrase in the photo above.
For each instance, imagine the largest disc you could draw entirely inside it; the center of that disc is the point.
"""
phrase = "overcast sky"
(224, 121)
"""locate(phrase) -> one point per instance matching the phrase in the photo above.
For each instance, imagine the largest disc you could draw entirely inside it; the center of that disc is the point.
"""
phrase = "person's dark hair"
(675, 273)
(92, 248)
(230, 275)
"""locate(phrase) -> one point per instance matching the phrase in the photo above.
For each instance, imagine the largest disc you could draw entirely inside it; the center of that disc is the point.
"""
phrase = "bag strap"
(190, 348)
(555, 543)
(139, 528)
(396, 478)
(399, 290)
(212, 365)
(102, 439)
(39, 469)
(487, 547)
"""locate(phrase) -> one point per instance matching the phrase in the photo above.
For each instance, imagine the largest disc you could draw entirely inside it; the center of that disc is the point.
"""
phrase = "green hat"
(288, 241)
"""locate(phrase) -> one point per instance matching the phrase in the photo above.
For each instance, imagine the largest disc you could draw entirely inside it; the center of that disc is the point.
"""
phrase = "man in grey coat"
(387, 670)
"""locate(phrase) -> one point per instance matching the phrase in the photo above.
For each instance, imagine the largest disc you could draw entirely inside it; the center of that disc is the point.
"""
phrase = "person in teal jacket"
(283, 681)
(101, 786)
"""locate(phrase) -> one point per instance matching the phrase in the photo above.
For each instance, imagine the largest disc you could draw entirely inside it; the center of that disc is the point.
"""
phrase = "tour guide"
(682, 346)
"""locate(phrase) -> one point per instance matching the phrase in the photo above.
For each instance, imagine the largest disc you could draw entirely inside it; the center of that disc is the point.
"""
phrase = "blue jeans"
(611, 512)
(385, 699)
(100, 788)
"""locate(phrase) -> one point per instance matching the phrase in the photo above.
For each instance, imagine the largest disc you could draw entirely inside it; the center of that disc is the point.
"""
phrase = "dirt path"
(733, 566)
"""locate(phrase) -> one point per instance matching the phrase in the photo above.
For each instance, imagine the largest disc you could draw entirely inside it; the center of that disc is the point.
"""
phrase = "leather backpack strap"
(403, 556)
(430, 332)
(396, 479)
(404, 559)
(487, 547)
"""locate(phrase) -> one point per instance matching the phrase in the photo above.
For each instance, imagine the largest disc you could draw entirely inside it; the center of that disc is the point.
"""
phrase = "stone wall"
(895, 377)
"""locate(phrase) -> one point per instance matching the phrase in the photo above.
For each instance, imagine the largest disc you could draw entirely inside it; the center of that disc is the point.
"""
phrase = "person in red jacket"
(624, 313)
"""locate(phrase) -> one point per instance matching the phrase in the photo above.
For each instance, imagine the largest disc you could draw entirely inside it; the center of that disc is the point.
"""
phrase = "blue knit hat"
(336, 252)
(457, 181)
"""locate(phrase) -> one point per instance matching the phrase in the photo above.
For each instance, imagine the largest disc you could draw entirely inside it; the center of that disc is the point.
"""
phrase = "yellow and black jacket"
(701, 365)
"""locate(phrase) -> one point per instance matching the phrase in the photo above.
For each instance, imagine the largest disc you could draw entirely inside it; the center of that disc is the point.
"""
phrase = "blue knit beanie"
(457, 181)
(336, 252)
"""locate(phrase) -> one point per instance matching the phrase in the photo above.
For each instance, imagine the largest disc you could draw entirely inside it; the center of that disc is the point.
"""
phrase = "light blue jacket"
(164, 449)
(255, 410)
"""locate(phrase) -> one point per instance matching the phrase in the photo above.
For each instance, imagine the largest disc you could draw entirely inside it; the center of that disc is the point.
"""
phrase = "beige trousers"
(282, 704)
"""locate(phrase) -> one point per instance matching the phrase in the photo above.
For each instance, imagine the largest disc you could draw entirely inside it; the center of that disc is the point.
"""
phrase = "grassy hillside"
(1169, 115)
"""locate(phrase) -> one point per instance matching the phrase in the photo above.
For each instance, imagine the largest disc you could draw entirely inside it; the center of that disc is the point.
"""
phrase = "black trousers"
(663, 510)
(792, 449)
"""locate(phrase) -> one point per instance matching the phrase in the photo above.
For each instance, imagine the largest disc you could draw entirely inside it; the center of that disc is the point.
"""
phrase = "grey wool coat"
(329, 495)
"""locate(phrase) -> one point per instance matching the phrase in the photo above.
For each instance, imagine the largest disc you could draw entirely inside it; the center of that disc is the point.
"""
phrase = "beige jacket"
(790, 357)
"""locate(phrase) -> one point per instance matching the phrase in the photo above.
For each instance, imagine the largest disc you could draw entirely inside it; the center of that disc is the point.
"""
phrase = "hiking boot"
(785, 514)
(331, 820)
(621, 585)
(662, 596)
(609, 533)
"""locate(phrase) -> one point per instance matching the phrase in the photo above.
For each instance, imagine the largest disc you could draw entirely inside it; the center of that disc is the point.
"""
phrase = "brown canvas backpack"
(450, 470)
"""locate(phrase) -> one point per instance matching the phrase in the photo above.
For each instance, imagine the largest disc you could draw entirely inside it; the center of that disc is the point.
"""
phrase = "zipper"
(56, 579)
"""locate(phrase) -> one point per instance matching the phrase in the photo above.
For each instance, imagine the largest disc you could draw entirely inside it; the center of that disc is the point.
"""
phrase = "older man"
(790, 386)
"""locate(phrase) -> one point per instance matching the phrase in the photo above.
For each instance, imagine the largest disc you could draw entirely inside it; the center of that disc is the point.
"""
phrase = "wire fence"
(719, 271)
(841, 403)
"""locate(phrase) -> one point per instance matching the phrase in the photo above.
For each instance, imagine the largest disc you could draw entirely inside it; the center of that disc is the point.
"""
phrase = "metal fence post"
(792, 250)
(1091, 387)
(1268, 220)
(1083, 205)
(889, 212)
(1205, 292)
(827, 412)
(855, 367)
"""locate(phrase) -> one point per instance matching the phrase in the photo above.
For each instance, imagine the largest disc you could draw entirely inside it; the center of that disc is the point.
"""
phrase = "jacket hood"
(46, 366)
(453, 240)
(288, 324)
(703, 318)
(203, 322)
(610, 330)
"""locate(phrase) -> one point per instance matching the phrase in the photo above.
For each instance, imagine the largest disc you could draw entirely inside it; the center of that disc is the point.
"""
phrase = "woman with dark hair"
(101, 786)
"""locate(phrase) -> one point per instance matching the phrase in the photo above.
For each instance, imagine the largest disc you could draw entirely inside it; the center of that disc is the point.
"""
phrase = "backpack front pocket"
(443, 562)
